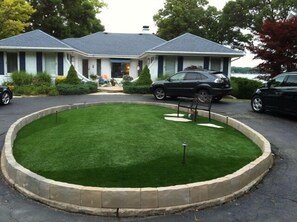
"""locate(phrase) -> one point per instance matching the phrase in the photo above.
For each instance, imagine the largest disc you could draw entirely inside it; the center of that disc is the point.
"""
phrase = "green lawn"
(128, 145)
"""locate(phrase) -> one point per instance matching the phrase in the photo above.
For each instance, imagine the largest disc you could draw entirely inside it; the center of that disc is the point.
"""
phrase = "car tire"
(5, 98)
(159, 93)
(258, 104)
(202, 95)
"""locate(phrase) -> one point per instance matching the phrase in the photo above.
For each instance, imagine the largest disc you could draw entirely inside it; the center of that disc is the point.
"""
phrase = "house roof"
(189, 44)
(36, 39)
(115, 44)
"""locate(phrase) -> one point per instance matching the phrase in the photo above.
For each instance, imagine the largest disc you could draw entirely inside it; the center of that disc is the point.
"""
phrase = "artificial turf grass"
(129, 145)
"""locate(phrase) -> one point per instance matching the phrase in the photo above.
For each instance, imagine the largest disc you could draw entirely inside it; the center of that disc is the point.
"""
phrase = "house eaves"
(34, 40)
(189, 44)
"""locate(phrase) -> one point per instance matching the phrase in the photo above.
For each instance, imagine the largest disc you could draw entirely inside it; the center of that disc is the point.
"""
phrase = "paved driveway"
(274, 199)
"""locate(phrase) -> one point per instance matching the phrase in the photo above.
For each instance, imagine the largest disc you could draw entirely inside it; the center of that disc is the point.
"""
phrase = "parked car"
(278, 94)
(191, 83)
(5, 95)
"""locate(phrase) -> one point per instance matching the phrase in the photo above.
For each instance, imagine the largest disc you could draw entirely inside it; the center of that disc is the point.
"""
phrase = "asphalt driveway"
(274, 199)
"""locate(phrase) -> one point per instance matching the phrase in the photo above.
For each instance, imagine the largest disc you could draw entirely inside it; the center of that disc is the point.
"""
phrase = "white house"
(112, 54)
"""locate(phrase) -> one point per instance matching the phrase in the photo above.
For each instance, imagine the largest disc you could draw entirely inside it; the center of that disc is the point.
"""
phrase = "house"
(111, 54)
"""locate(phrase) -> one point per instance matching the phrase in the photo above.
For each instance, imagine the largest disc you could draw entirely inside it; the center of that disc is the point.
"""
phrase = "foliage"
(60, 79)
(196, 17)
(132, 88)
(14, 16)
(144, 77)
(252, 14)
(72, 77)
(76, 89)
(42, 78)
(243, 88)
(21, 78)
(127, 78)
(64, 18)
(32, 89)
(278, 46)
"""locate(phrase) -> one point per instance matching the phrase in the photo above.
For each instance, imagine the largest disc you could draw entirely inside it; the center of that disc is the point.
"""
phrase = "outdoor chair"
(199, 102)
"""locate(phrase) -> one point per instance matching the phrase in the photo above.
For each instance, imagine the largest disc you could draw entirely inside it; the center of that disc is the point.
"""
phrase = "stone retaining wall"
(134, 201)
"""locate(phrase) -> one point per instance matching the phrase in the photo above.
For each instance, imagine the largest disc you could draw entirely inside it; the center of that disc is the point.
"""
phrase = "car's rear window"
(219, 75)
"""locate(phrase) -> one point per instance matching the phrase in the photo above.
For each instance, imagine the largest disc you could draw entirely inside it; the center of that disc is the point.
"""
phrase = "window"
(277, 81)
(195, 76)
(291, 81)
(12, 62)
(178, 77)
(216, 64)
(50, 63)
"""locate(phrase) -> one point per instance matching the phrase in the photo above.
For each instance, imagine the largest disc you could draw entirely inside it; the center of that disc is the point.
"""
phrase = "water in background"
(259, 77)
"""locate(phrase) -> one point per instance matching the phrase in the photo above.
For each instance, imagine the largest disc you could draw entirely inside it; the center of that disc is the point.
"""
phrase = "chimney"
(145, 29)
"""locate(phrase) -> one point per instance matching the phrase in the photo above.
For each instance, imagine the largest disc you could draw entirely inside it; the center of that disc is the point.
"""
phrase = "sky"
(129, 16)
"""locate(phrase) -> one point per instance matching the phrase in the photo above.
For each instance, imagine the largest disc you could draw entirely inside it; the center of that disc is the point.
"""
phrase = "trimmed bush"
(144, 77)
(72, 77)
(132, 88)
(32, 89)
(42, 78)
(21, 78)
(76, 89)
(243, 88)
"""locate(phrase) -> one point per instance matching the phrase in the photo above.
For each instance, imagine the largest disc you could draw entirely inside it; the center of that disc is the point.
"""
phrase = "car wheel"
(202, 95)
(5, 98)
(159, 93)
(257, 104)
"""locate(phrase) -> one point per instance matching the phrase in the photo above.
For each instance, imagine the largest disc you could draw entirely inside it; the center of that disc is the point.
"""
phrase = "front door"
(85, 68)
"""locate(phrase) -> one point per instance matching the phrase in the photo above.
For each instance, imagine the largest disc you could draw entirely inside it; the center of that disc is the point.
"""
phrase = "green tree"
(242, 20)
(181, 16)
(144, 77)
(14, 16)
(66, 18)
(72, 77)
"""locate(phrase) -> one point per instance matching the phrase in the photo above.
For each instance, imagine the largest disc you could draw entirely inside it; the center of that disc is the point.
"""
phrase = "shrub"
(144, 77)
(243, 88)
(133, 88)
(127, 78)
(42, 78)
(53, 91)
(76, 89)
(72, 77)
(60, 79)
(21, 78)
(32, 89)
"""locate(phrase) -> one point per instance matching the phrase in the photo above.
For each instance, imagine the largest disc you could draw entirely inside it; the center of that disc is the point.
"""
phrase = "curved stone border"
(134, 201)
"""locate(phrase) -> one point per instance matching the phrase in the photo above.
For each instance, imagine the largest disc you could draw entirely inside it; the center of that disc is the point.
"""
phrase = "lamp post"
(184, 155)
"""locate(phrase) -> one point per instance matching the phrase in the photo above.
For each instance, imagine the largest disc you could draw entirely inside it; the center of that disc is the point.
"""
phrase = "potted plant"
(113, 82)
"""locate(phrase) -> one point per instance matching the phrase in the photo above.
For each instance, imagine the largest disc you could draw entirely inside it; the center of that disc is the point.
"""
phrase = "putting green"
(128, 145)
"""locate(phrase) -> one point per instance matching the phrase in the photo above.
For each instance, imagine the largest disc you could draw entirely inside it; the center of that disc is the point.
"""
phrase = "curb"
(126, 202)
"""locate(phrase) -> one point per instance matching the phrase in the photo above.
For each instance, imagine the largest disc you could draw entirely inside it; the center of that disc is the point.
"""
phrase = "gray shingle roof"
(36, 39)
(192, 44)
(102, 43)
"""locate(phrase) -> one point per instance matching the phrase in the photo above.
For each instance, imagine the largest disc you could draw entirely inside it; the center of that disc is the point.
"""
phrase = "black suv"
(5, 95)
(279, 94)
(191, 83)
